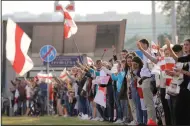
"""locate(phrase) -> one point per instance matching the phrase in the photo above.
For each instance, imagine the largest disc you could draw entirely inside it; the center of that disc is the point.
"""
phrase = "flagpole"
(63, 34)
(77, 49)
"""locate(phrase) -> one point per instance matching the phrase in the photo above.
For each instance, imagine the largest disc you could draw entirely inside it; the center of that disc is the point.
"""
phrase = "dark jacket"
(123, 91)
(184, 59)
(81, 84)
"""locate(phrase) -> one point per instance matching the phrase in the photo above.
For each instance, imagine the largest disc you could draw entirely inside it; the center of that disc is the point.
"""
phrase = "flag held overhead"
(17, 45)
(70, 27)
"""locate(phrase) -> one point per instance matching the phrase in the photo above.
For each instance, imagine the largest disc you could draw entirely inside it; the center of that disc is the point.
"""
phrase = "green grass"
(49, 120)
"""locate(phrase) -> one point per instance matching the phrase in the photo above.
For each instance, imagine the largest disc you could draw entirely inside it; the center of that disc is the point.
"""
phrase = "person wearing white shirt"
(145, 75)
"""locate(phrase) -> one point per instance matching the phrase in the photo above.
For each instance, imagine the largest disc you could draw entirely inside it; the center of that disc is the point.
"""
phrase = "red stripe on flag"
(102, 89)
(67, 16)
(163, 67)
(19, 60)
(168, 81)
(140, 92)
(59, 8)
(70, 7)
(170, 66)
(63, 76)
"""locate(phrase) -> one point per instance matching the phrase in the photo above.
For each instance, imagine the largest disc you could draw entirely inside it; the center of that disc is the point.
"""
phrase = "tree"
(161, 38)
(131, 42)
(183, 16)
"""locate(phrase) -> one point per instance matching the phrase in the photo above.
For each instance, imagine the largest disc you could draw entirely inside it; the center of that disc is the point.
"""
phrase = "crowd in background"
(134, 95)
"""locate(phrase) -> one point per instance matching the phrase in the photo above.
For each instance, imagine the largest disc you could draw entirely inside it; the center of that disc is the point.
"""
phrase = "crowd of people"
(134, 94)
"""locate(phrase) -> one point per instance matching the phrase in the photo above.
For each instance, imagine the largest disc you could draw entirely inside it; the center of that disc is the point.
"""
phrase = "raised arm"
(151, 58)
(172, 53)
(83, 67)
(114, 53)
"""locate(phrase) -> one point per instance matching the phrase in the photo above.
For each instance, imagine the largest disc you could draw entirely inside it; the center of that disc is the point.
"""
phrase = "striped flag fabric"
(140, 93)
(100, 97)
(166, 63)
(71, 6)
(45, 77)
(89, 61)
(70, 28)
(17, 46)
(51, 93)
(63, 76)
(154, 47)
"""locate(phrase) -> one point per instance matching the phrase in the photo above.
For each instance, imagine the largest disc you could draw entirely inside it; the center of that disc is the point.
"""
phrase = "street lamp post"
(154, 23)
(173, 21)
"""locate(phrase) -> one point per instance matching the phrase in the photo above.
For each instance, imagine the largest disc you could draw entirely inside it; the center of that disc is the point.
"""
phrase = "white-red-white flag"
(100, 97)
(166, 63)
(17, 46)
(70, 27)
(154, 47)
(89, 61)
(71, 6)
(64, 75)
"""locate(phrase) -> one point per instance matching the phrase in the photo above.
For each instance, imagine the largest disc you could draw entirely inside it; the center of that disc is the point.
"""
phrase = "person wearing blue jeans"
(118, 106)
(119, 78)
(141, 114)
(82, 105)
(136, 67)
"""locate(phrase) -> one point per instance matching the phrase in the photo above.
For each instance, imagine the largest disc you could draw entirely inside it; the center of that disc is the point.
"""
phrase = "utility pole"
(154, 23)
(174, 25)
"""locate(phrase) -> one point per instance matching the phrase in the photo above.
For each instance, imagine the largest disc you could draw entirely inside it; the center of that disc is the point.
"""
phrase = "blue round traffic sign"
(48, 53)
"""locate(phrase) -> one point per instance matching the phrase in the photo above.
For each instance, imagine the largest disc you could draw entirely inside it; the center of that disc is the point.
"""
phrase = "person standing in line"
(137, 64)
(119, 78)
(145, 81)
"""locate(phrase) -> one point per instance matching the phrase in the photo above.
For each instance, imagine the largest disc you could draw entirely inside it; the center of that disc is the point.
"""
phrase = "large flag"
(100, 97)
(70, 27)
(17, 46)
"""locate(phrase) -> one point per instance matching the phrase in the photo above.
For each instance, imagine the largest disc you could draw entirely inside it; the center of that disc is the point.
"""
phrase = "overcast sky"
(82, 7)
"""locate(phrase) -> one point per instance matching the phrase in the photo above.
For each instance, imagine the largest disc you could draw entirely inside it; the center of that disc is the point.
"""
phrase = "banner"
(65, 61)
(102, 79)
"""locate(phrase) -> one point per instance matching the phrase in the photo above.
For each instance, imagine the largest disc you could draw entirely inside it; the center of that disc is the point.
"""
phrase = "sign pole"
(47, 70)
(48, 54)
